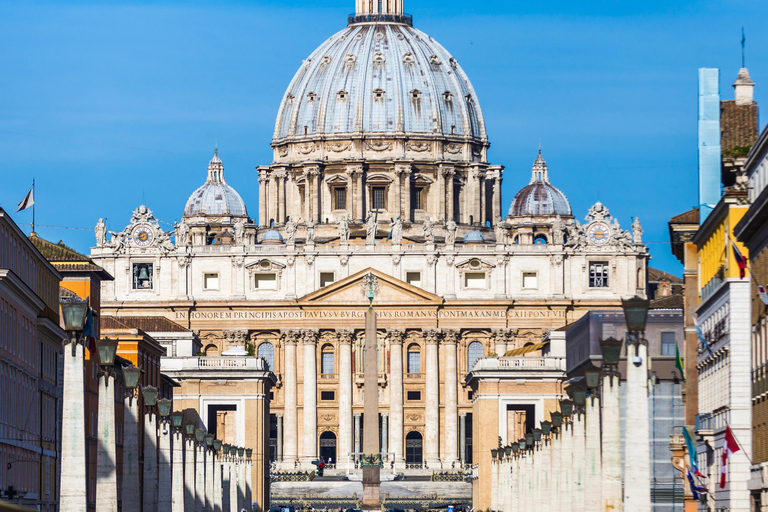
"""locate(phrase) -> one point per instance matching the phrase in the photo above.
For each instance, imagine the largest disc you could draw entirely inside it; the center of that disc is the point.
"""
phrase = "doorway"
(328, 447)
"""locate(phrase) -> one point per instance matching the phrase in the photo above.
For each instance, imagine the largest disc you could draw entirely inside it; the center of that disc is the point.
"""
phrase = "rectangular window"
(377, 198)
(474, 280)
(265, 281)
(326, 365)
(414, 362)
(340, 198)
(326, 278)
(211, 281)
(667, 343)
(413, 278)
(598, 275)
(417, 198)
(414, 395)
(327, 395)
(530, 280)
(142, 276)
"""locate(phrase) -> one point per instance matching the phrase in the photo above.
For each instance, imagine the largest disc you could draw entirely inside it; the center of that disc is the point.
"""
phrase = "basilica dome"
(380, 77)
(215, 197)
(539, 197)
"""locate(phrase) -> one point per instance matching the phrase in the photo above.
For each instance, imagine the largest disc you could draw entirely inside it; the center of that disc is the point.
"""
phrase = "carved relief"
(379, 146)
(432, 336)
(345, 335)
(419, 147)
(282, 150)
(306, 149)
(414, 418)
(453, 148)
(338, 147)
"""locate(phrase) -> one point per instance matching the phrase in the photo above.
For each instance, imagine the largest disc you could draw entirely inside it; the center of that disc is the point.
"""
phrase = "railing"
(380, 18)
(414, 375)
(291, 476)
(206, 362)
(328, 376)
(449, 476)
(416, 465)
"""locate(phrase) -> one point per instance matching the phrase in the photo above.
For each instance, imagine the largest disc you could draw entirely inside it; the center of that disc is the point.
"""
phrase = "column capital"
(403, 167)
(503, 335)
(385, 415)
(345, 336)
(357, 414)
(432, 336)
(395, 336)
(279, 415)
(451, 336)
(291, 336)
(462, 415)
(309, 336)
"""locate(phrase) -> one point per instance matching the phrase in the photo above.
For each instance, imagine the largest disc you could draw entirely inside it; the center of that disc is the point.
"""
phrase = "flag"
(695, 489)
(679, 362)
(729, 446)
(741, 261)
(700, 335)
(28, 200)
(691, 451)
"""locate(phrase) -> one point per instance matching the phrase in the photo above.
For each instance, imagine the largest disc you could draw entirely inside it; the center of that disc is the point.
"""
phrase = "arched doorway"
(413, 448)
(328, 447)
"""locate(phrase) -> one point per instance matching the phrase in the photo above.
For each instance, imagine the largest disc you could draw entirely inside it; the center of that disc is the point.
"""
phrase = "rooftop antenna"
(743, 42)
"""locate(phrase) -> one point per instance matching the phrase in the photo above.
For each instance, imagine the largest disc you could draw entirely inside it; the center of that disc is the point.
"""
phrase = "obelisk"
(371, 454)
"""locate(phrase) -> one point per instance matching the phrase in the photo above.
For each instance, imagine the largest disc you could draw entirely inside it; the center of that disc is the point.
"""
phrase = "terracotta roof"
(655, 274)
(738, 126)
(675, 301)
(56, 252)
(145, 323)
(689, 217)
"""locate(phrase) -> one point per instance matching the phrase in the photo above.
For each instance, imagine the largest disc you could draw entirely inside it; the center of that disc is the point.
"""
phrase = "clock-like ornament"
(599, 233)
(143, 235)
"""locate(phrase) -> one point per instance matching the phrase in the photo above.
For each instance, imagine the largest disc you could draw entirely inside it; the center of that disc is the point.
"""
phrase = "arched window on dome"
(474, 352)
(517, 239)
(540, 239)
(267, 351)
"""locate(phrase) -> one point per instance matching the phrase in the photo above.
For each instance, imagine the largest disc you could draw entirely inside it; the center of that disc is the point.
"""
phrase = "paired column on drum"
(345, 337)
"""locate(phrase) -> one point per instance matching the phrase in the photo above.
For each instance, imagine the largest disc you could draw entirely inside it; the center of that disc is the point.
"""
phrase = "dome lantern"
(215, 197)
(539, 197)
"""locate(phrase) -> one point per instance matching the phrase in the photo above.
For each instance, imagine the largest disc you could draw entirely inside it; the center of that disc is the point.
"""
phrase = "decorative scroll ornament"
(453, 148)
(306, 149)
(337, 147)
(282, 151)
(419, 147)
(379, 146)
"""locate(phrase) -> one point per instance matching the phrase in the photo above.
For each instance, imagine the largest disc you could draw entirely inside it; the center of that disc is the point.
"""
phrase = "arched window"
(267, 351)
(327, 361)
(211, 350)
(474, 352)
(414, 358)
(413, 447)
(540, 239)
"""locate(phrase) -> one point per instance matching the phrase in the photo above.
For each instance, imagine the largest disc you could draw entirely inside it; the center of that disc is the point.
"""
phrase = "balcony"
(414, 376)
(216, 367)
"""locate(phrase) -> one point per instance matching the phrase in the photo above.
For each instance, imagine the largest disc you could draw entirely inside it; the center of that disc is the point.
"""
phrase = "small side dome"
(539, 197)
(215, 197)
(474, 237)
(272, 237)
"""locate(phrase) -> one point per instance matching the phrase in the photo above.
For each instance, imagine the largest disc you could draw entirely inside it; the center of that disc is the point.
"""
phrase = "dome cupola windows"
(408, 59)
(378, 95)
(378, 60)
(342, 95)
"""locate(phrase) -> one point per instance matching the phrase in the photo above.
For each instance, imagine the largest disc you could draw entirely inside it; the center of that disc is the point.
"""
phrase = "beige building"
(380, 166)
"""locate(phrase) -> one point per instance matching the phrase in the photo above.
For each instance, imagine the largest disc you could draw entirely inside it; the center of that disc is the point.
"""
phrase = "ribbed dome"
(474, 237)
(539, 197)
(215, 197)
(382, 77)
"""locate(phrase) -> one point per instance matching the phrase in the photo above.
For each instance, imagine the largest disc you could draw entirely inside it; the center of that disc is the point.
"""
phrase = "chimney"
(743, 88)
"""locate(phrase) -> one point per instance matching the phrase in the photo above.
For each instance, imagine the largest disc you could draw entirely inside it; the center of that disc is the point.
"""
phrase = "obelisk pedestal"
(371, 457)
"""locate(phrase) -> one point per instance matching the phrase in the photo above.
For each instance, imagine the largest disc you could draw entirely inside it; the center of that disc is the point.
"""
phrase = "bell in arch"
(143, 273)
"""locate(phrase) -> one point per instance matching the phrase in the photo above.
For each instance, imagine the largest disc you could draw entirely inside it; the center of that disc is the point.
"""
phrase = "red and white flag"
(741, 261)
(730, 446)
(28, 200)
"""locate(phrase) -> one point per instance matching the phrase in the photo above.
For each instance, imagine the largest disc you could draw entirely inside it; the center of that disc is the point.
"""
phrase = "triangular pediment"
(390, 290)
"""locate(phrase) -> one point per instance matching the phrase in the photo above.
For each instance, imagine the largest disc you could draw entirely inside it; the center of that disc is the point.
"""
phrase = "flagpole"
(33, 206)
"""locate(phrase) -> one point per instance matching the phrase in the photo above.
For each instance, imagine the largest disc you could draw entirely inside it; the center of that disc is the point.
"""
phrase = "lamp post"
(566, 457)
(106, 453)
(72, 497)
(189, 467)
(164, 463)
(209, 472)
(593, 497)
(241, 478)
(611, 426)
(637, 458)
(150, 449)
(217, 494)
(233, 478)
(200, 470)
(556, 443)
(578, 395)
(225, 479)
(131, 482)
(177, 475)
(248, 475)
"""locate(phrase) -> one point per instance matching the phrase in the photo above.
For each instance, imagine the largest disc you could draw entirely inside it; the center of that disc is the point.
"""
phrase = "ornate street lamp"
(164, 408)
(150, 396)
(537, 434)
(508, 450)
(107, 349)
(209, 441)
(592, 377)
(546, 427)
(217, 445)
(611, 349)
(131, 376)
(529, 440)
(635, 313)
(189, 429)
(578, 394)
(521, 444)
(200, 436)
(248, 453)
(557, 419)
(177, 420)
(240, 452)
(515, 448)
(566, 408)
(73, 311)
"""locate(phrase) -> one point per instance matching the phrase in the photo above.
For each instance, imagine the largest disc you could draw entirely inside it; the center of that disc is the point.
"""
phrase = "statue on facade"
(427, 228)
(371, 226)
(101, 233)
(239, 231)
(450, 232)
(637, 231)
(164, 241)
(118, 240)
(182, 233)
(343, 225)
(290, 229)
(310, 227)
(558, 230)
(397, 230)
(576, 237)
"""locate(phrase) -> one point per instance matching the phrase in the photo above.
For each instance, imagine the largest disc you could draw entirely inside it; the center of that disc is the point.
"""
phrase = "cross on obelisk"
(371, 454)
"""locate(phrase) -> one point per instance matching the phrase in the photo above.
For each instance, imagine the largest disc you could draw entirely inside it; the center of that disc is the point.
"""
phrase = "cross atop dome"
(539, 171)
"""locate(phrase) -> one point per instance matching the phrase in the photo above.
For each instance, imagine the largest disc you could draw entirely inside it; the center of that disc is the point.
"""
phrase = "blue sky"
(108, 104)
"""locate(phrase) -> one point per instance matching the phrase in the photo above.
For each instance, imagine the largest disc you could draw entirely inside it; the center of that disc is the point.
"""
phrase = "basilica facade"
(379, 169)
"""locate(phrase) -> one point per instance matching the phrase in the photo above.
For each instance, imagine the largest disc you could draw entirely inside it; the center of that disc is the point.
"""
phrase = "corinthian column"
(451, 397)
(350, 200)
(407, 195)
(345, 393)
(450, 215)
(497, 195)
(360, 199)
(432, 409)
(309, 337)
(396, 392)
(290, 427)
(280, 198)
(262, 201)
